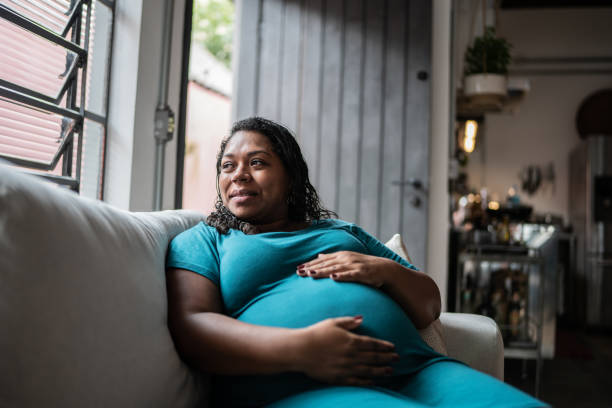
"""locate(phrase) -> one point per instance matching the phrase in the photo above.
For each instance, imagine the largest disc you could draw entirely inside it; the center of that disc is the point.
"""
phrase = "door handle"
(414, 182)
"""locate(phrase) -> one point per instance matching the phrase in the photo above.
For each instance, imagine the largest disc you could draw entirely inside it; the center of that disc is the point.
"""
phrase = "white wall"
(543, 130)
(133, 98)
(437, 237)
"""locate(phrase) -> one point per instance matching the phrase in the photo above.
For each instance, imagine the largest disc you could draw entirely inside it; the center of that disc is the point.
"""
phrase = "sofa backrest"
(83, 302)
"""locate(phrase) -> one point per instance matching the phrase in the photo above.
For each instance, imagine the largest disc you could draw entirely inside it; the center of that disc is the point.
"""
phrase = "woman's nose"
(241, 174)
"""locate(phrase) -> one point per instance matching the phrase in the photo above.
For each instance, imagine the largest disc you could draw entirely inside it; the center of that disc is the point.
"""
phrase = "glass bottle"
(514, 314)
(503, 231)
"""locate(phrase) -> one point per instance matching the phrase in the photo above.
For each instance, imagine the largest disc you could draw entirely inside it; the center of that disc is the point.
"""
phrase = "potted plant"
(486, 65)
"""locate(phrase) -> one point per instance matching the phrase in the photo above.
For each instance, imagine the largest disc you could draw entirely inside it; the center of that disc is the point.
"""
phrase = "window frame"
(52, 104)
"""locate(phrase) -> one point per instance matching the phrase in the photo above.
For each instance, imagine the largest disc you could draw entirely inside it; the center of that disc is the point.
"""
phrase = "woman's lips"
(243, 197)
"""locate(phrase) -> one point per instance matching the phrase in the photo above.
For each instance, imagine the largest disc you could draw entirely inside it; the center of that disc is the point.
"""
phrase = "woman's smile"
(243, 196)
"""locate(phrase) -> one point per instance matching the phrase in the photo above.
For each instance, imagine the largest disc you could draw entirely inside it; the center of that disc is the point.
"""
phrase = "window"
(54, 77)
(208, 105)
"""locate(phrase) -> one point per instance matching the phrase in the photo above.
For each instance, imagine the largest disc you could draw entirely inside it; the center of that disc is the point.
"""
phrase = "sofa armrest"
(475, 340)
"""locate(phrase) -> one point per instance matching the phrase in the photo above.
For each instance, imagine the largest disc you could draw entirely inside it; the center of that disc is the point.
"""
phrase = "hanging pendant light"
(467, 136)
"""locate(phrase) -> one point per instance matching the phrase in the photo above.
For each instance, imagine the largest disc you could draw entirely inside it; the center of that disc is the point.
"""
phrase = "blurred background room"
(481, 130)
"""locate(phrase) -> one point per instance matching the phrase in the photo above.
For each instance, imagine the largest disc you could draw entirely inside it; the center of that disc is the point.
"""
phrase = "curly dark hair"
(303, 200)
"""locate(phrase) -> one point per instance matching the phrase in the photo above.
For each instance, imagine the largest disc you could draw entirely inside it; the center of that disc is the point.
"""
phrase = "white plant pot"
(485, 84)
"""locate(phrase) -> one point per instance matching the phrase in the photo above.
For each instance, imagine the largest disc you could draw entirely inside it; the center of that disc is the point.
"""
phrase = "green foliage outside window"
(213, 27)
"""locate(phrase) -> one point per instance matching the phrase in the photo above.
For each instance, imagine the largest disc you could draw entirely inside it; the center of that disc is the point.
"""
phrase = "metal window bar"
(111, 5)
(21, 95)
(66, 142)
(61, 180)
(70, 76)
(72, 94)
(76, 12)
(36, 28)
(83, 86)
(14, 96)
(34, 11)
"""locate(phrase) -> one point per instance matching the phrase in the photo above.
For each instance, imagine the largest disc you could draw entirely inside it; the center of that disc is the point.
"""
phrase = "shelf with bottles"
(498, 286)
(523, 335)
(490, 219)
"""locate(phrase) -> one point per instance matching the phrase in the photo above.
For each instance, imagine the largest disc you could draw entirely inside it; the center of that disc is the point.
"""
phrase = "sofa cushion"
(83, 302)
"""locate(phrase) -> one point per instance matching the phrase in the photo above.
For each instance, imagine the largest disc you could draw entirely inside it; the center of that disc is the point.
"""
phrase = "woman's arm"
(216, 343)
(414, 291)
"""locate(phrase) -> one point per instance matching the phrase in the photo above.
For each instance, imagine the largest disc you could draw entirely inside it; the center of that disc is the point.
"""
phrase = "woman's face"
(253, 180)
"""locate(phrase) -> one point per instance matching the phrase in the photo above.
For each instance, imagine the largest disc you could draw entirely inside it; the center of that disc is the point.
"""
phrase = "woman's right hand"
(331, 353)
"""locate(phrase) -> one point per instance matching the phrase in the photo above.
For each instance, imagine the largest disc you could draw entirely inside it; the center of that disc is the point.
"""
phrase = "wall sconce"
(467, 136)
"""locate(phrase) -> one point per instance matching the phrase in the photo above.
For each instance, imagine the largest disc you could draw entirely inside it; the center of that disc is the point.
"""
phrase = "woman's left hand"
(348, 266)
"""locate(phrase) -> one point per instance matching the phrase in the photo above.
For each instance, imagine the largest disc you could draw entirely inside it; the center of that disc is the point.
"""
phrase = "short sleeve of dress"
(195, 250)
(377, 248)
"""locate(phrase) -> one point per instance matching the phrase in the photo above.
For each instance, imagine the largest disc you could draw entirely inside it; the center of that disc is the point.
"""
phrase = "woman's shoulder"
(199, 231)
(334, 223)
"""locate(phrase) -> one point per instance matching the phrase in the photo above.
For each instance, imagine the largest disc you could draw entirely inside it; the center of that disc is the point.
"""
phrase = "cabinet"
(506, 283)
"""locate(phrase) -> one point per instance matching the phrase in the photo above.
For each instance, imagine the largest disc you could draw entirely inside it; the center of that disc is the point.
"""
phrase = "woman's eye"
(256, 162)
(226, 165)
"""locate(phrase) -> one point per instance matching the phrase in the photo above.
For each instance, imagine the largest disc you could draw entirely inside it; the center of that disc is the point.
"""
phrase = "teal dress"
(258, 284)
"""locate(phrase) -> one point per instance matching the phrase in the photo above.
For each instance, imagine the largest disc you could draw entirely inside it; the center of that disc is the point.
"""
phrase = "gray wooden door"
(350, 77)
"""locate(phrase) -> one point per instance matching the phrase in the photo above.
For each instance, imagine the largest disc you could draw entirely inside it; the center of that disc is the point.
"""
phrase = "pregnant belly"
(300, 302)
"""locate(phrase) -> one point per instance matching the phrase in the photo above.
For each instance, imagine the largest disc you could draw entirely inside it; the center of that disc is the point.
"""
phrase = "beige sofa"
(83, 305)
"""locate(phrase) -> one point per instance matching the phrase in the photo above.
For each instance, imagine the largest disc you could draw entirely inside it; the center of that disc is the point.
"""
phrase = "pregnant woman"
(289, 308)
